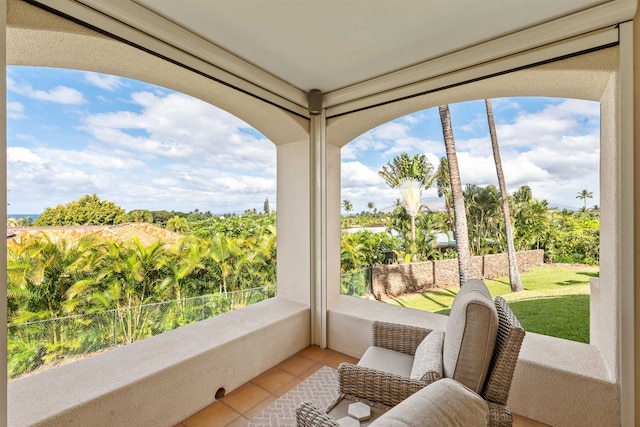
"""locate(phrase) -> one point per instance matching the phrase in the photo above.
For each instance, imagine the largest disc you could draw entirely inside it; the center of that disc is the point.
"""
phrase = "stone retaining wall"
(397, 279)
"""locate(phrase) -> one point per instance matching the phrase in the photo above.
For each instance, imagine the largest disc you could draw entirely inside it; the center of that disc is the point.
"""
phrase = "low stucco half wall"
(564, 383)
(162, 380)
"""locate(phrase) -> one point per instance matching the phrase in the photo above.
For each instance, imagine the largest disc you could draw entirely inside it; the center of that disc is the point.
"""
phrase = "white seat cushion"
(442, 403)
(470, 336)
(386, 360)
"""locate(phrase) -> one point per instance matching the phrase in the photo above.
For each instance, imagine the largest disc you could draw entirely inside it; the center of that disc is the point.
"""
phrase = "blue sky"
(71, 133)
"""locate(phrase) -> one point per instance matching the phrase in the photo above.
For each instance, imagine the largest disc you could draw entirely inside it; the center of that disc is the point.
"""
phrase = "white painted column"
(293, 221)
(606, 289)
(334, 188)
(318, 191)
(628, 359)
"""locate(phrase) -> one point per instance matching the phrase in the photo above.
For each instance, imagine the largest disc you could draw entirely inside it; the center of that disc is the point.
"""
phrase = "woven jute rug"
(320, 388)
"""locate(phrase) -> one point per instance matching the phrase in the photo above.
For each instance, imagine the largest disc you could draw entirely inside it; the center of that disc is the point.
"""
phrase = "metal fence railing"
(39, 345)
(357, 283)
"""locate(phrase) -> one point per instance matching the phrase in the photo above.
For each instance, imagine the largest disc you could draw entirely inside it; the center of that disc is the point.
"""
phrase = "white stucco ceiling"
(332, 44)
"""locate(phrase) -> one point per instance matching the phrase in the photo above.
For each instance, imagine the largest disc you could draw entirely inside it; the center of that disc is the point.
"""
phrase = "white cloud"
(393, 138)
(475, 124)
(54, 176)
(91, 159)
(15, 110)
(414, 144)
(363, 143)
(103, 81)
(179, 127)
(361, 184)
(35, 180)
(550, 125)
(23, 155)
(58, 94)
(356, 174)
(391, 130)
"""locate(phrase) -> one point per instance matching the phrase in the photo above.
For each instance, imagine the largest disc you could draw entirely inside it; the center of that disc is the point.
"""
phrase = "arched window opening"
(136, 210)
(398, 239)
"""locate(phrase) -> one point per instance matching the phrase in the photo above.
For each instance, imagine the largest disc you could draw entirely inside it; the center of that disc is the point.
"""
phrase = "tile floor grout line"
(230, 408)
(262, 388)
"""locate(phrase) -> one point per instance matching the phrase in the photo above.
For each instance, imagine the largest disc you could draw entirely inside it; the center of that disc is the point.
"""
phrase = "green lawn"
(555, 301)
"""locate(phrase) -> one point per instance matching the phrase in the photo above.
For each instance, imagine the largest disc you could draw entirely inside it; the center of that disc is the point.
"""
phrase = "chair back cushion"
(427, 362)
(470, 336)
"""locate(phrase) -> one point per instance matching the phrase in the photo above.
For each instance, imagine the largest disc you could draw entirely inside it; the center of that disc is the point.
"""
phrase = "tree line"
(566, 236)
(91, 210)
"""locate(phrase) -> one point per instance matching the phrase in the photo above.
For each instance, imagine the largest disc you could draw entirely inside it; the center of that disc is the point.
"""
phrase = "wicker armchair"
(385, 390)
(379, 388)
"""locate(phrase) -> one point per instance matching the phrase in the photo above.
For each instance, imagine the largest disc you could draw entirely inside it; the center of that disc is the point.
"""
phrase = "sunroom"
(311, 77)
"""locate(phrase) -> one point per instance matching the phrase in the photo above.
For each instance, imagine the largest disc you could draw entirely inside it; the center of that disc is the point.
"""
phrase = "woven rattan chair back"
(505, 355)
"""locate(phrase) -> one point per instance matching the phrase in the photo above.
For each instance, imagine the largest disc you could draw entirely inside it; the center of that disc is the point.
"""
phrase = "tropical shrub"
(88, 210)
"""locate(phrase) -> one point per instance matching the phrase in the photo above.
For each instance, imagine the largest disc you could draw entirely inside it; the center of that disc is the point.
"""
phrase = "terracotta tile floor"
(248, 400)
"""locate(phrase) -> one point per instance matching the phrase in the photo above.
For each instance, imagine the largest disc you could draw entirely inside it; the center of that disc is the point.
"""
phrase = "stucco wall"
(394, 280)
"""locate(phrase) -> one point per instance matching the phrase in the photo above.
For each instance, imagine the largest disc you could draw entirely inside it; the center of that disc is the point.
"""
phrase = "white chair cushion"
(470, 336)
(442, 403)
(428, 358)
(386, 360)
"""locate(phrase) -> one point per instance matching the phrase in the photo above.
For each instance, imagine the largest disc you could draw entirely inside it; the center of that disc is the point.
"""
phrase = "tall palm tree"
(348, 207)
(129, 275)
(514, 274)
(584, 195)
(41, 269)
(462, 234)
(482, 208)
(178, 224)
(372, 208)
(220, 254)
(443, 185)
(187, 260)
